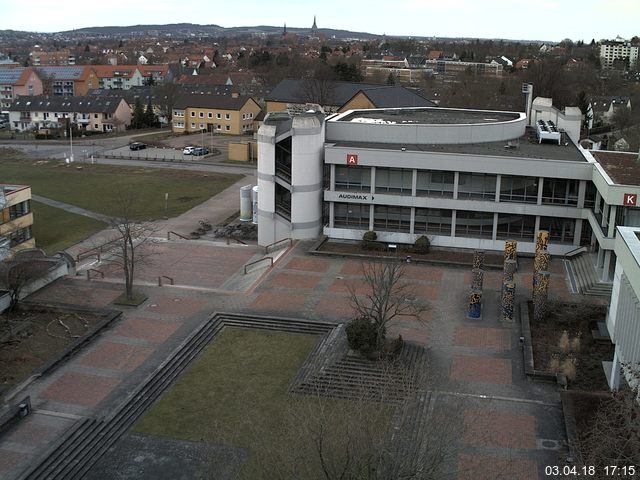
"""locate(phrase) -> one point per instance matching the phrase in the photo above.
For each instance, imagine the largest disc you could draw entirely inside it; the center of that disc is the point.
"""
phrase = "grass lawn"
(235, 393)
(96, 187)
(56, 229)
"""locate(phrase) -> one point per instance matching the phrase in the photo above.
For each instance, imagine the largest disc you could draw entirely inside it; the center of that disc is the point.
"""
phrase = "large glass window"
(518, 189)
(477, 185)
(590, 196)
(561, 230)
(351, 215)
(516, 226)
(474, 224)
(560, 191)
(434, 183)
(19, 209)
(283, 202)
(19, 236)
(394, 180)
(392, 219)
(432, 220)
(353, 178)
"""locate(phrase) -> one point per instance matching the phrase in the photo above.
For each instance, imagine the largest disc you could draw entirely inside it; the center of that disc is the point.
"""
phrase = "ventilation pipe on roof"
(527, 89)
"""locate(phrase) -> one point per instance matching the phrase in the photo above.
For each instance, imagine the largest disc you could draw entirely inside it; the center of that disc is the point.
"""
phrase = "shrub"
(361, 335)
(422, 245)
(369, 240)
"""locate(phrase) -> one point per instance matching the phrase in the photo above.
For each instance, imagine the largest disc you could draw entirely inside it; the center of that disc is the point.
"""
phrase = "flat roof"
(622, 167)
(428, 116)
(520, 148)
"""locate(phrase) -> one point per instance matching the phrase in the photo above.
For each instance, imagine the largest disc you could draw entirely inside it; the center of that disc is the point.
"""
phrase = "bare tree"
(388, 296)
(19, 272)
(612, 438)
(362, 439)
(132, 240)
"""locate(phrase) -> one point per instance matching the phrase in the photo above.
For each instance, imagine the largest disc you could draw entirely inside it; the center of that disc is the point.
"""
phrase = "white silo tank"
(245, 203)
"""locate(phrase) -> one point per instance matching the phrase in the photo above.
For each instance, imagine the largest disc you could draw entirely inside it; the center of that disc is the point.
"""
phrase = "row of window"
(440, 221)
(19, 236)
(15, 211)
(479, 186)
(227, 116)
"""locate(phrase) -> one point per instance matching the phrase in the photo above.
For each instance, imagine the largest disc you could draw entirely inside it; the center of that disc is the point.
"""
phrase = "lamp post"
(71, 140)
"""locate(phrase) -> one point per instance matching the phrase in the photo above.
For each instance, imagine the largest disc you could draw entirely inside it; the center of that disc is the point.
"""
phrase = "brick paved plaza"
(478, 360)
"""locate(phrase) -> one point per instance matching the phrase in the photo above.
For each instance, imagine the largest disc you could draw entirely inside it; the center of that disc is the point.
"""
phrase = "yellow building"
(229, 114)
(16, 218)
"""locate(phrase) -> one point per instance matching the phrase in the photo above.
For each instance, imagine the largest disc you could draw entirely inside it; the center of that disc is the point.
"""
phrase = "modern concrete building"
(620, 50)
(16, 219)
(623, 319)
(465, 178)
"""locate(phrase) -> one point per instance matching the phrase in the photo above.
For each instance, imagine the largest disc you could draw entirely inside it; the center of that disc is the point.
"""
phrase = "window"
(218, 116)
(201, 114)
(250, 115)
(19, 236)
(201, 126)
(394, 181)
(19, 209)
(227, 128)
(209, 115)
(474, 224)
(244, 116)
(178, 124)
(519, 189)
(95, 115)
(476, 185)
(193, 125)
(351, 215)
(434, 183)
(561, 230)
(227, 116)
(516, 226)
(193, 114)
(353, 178)
(432, 220)
(560, 191)
(218, 127)
(95, 125)
(392, 219)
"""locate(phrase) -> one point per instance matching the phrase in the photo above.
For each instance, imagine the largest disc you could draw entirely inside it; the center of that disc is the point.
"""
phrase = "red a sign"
(352, 159)
(630, 199)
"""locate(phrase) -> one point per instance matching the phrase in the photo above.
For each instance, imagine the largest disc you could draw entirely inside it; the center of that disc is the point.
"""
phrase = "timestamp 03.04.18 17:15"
(586, 471)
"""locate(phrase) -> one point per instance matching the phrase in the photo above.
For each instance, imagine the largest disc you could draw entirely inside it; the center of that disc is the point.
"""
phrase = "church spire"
(284, 30)
(314, 27)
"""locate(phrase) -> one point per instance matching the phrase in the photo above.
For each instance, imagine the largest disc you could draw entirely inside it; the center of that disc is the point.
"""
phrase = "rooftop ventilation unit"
(547, 130)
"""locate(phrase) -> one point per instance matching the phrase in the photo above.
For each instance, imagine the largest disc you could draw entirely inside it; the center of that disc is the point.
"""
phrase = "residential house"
(604, 108)
(15, 82)
(118, 77)
(56, 57)
(16, 219)
(612, 52)
(229, 114)
(87, 113)
(293, 94)
(72, 80)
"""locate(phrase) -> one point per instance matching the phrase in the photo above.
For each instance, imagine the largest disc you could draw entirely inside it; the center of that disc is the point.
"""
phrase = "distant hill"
(188, 29)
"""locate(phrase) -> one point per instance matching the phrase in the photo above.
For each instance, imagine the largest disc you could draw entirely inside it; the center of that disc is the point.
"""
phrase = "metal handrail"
(289, 240)
(177, 235)
(164, 276)
(575, 251)
(99, 249)
(258, 261)
(96, 271)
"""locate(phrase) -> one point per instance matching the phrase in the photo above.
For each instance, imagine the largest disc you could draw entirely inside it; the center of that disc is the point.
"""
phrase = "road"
(104, 150)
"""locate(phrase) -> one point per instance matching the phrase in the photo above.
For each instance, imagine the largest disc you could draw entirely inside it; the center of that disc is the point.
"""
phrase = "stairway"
(586, 277)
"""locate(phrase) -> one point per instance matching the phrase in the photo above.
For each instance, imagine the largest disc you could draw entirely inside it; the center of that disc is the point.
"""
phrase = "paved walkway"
(72, 208)
(511, 427)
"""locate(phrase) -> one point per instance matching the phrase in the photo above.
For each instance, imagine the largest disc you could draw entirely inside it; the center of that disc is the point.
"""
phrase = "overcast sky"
(551, 20)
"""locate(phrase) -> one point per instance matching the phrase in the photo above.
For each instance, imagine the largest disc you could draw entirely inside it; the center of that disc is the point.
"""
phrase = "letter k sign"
(630, 199)
(352, 159)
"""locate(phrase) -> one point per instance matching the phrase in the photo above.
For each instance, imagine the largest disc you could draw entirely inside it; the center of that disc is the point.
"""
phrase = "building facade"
(16, 219)
(618, 50)
(623, 318)
(464, 178)
(15, 82)
(227, 114)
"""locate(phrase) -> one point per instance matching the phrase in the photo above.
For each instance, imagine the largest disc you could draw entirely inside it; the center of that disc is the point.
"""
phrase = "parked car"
(137, 146)
(200, 151)
(188, 150)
